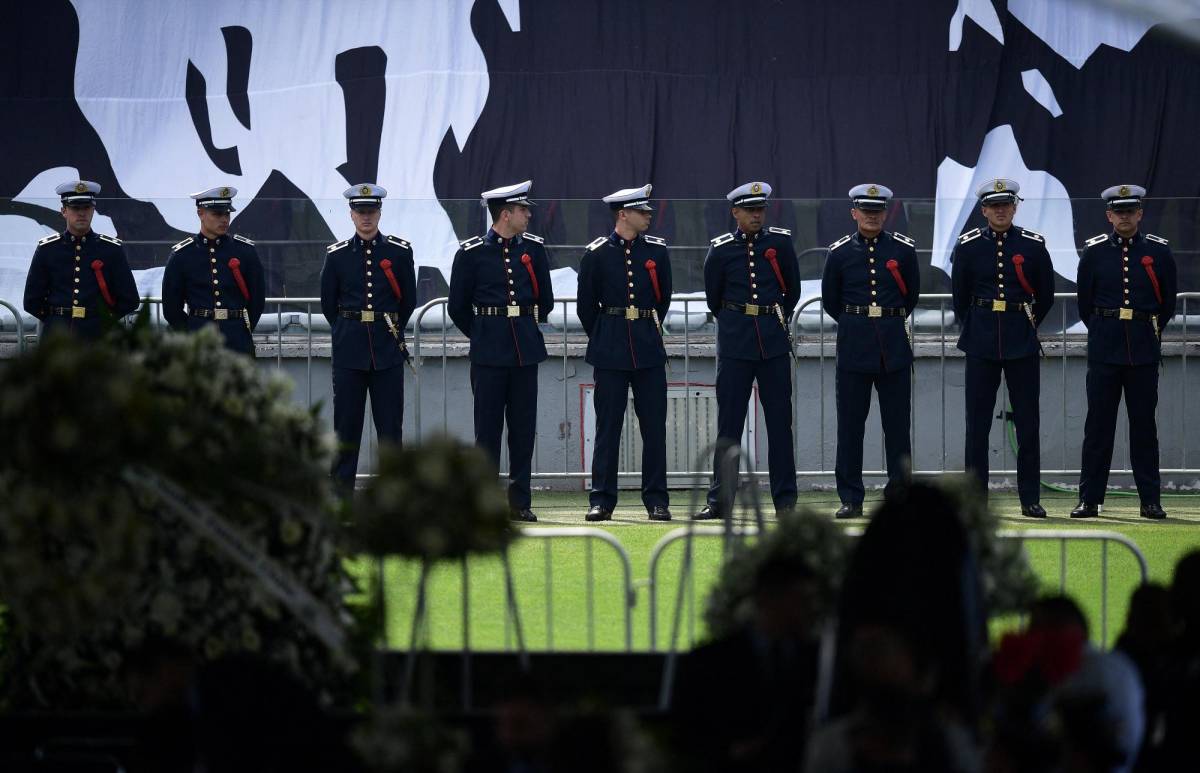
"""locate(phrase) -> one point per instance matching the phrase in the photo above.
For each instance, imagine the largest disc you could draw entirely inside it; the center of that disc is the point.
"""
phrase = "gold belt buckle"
(631, 312)
(512, 311)
(368, 316)
(999, 306)
(1126, 314)
(874, 311)
(752, 309)
(220, 313)
(78, 312)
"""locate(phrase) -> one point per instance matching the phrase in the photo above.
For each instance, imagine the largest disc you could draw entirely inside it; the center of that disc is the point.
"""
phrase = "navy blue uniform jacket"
(483, 274)
(199, 276)
(61, 273)
(737, 270)
(981, 268)
(352, 279)
(613, 274)
(856, 274)
(1103, 270)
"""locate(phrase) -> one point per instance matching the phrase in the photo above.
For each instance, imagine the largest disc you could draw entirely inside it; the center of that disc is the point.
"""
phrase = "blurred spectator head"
(1185, 597)
(786, 600)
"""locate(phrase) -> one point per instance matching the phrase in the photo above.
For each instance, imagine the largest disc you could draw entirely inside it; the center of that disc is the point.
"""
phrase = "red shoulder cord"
(1148, 264)
(386, 265)
(1017, 261)
(770, 253)
(235, 266)
(98, 269)
(652, 267)
(528, 261)
(894, 267)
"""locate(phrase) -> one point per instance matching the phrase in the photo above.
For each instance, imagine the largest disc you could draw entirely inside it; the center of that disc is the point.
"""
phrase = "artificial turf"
(570, 591)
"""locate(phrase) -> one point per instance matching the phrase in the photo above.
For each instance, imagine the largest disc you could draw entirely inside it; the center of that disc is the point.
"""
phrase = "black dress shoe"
(660, 513)
(708, 513)
(1033, 511)
(849, 511)
(785, 510)
(524, 515)
(598, 513)
(1085, 510)
(1153, 511)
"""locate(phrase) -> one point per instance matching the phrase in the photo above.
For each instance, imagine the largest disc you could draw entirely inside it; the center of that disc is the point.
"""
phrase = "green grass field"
(591, 615)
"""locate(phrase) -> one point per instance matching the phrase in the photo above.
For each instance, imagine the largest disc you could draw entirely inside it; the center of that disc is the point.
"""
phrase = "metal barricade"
(20, 323)
(517, 632)
(1062, 536)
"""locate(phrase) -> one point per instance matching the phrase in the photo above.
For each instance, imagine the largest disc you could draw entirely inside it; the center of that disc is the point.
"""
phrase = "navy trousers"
(650, 404)
(1023, 377)
(1105, 383)
(507, 393)
(350, 389)
(853, 406)
(735, 379)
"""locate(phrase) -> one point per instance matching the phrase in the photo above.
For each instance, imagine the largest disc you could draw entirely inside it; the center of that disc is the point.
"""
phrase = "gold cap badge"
(999, 185)
(872, 191)
(224, 193)
(1124, 190)
(756, 188)
(365, 190)
(80, 187)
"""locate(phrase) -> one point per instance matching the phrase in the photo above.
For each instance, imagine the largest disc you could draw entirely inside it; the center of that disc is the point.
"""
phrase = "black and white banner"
(293, 100)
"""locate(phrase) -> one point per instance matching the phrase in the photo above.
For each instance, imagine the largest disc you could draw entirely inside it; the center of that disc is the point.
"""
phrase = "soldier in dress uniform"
(1126, 290)
(1003, 284)
(79, 277)
(870, 286)
(499, 292)
(217, 277)
(368, 293)
(624, 294)
(752, 284)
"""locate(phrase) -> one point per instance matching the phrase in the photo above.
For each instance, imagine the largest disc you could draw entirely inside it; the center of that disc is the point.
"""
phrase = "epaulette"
(904, 239)
(243, 239)
(111, 239)
(840, 242)
(396, 240)
(722, 239)
(782, 231)
(1037, 237)
(974, 233)
(183, 244)
(337, 246)
(534, 238)
(49, 239)
(1158, 239)
(1092, 242)
(472, 243)
(661, 242)
(597, 242)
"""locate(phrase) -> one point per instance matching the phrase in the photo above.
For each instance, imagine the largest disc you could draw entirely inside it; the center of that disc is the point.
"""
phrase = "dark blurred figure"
(1180, 744)
(895, 725)
(744, 702)
(1146, 641)
(523, 732)
(1062, 704)
(913, 572)
(238, 714)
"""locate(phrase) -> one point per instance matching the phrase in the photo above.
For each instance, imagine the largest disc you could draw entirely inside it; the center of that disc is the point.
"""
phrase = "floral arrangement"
(1009, 584)
(435, 500)
(115, 452)
(821, 544)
